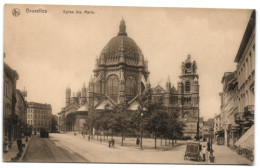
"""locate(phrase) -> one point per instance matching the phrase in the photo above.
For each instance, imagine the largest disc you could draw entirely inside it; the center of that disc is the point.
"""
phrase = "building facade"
(39, 116)
(10, 118)
(121, 75)
(229, 106)
(245, 71)
(21, 110)
(237, 98)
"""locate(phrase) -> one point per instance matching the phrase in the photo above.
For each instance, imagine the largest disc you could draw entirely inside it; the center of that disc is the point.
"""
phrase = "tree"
(102, 120)
(120, 120)
(91, 121)
(174, 127)
(105, 120)
(157, 118)
(155, 115)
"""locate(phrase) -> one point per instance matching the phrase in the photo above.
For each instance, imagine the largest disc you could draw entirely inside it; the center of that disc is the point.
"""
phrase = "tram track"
(45, 150)
(70, 157)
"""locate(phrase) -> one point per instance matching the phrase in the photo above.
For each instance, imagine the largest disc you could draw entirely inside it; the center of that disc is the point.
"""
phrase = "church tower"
(83, 99)
(188, 93)
(168, 92)
(68, 96)
(91, 93)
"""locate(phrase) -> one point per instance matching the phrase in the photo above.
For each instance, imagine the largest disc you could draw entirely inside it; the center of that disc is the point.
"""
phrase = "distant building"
(217, 124)
(10, 118)
(229, 106)
(39, 116)
(206, 128)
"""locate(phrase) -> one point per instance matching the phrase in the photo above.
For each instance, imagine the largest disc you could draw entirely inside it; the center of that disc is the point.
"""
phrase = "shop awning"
(247, 140)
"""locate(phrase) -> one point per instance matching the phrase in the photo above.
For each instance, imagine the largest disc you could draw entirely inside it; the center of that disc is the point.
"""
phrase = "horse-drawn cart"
(193, 151)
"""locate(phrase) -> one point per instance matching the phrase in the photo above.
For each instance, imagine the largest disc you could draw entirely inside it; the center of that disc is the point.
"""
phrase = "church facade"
(121, 74)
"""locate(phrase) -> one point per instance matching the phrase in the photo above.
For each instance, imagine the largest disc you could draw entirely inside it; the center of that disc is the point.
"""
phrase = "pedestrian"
(19, 145)
(137, 141)
(109, 143)
(204, 151)
(6, 148)
(208, 144)
(113, 142)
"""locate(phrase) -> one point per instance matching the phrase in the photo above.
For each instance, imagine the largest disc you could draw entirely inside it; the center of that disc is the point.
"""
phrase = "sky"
(53, 51)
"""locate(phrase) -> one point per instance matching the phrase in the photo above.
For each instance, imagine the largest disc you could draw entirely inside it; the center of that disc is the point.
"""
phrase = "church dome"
(121, 50)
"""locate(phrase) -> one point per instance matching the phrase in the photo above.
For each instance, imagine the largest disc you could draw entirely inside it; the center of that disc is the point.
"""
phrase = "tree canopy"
(152, 116)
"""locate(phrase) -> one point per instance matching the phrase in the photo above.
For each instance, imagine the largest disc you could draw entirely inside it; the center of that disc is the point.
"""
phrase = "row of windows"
(38, 122)
(243, 100)
(113, 85)
(39, 116)
(131, 86)
(246, 68)
(246, 99)
(30, 110)
(7, 90)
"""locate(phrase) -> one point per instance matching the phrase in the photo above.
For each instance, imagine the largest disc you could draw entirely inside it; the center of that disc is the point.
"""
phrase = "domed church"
(121, 74)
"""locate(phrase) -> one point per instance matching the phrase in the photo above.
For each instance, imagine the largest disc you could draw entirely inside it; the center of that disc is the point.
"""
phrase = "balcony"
(249, 108)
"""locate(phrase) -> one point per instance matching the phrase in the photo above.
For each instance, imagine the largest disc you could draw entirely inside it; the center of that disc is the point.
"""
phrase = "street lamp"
(141, 129)
(211, 157)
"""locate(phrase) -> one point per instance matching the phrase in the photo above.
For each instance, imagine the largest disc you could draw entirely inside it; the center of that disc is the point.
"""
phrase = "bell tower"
(188, 96)
(189, 67)
(190, 90)
(68, 96)
(83, 99)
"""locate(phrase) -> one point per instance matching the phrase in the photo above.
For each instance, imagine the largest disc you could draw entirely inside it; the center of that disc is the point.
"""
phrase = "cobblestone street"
(44, 150)
(68, 148)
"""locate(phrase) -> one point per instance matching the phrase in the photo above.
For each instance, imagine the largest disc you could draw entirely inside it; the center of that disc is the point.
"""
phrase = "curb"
(25, 150)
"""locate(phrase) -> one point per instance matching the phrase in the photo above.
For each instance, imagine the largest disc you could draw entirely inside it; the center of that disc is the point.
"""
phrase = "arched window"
(130, 86)
(187, 87)
(112, 85)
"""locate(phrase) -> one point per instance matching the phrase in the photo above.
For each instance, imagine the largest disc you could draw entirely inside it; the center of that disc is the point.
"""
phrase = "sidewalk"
(224, 155)
(14, 150)
(130, 142)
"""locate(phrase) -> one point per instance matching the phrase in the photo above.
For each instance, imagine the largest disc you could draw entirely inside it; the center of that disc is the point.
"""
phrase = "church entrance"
(70, 121)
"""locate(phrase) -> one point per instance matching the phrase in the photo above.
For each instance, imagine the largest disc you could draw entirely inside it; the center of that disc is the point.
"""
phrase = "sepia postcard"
(155, 85)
